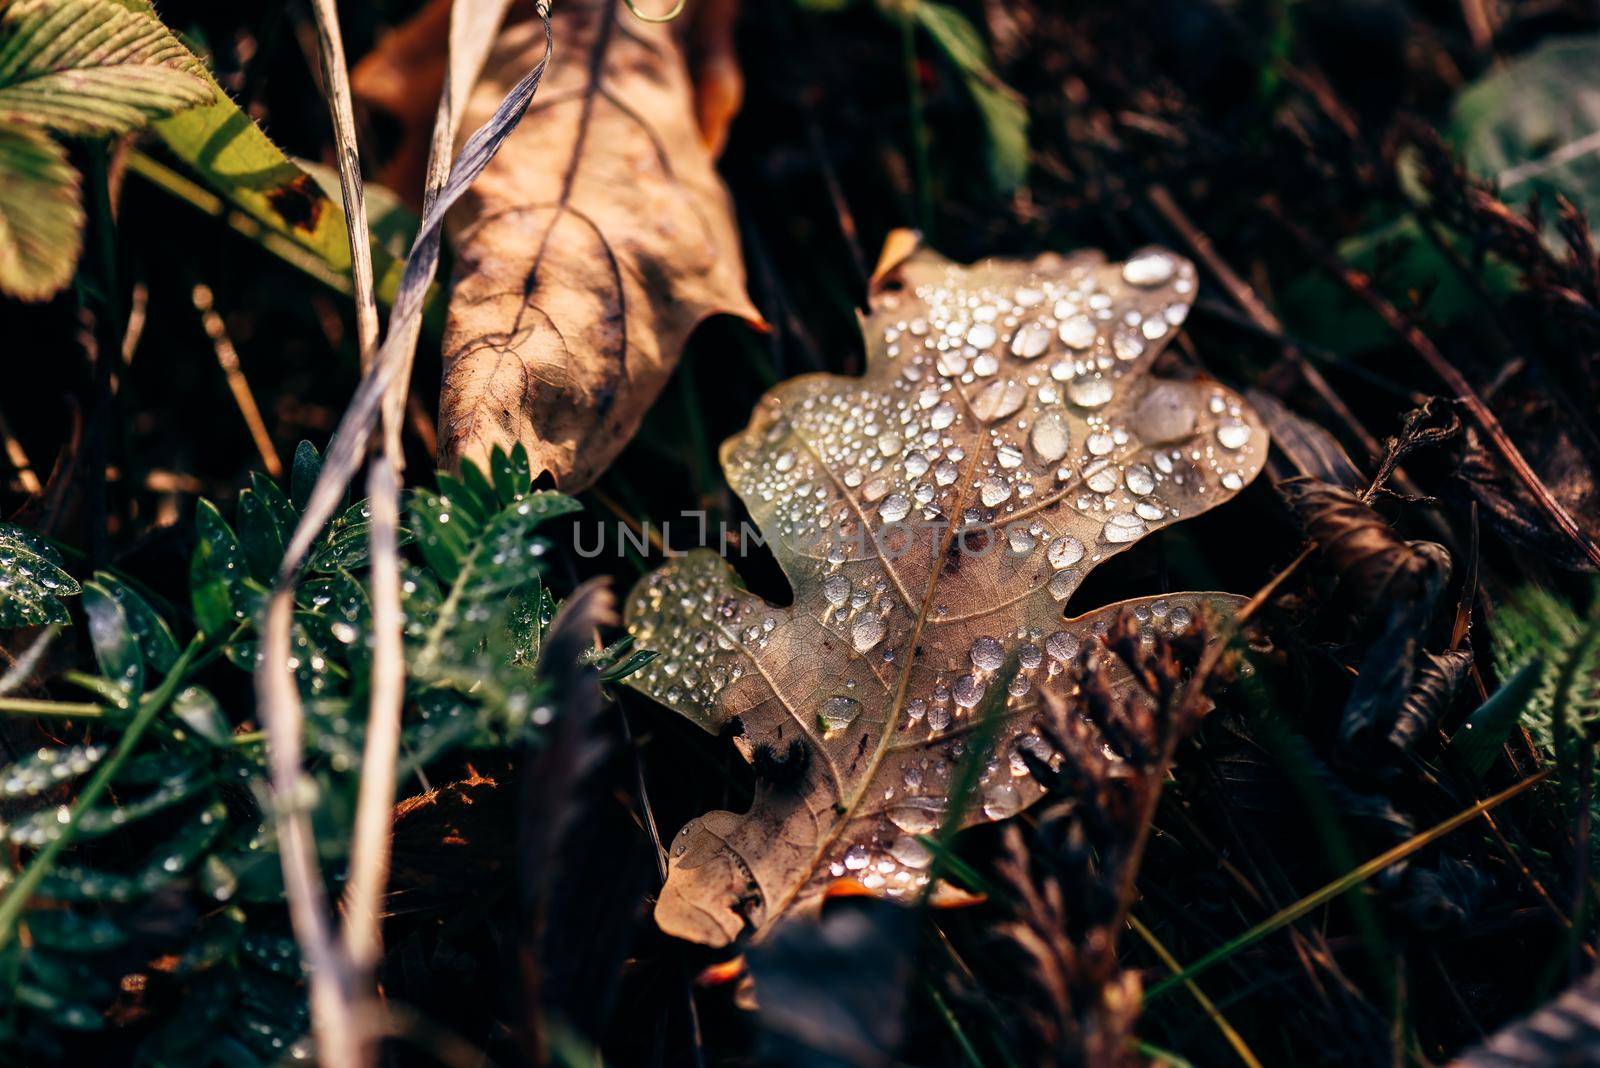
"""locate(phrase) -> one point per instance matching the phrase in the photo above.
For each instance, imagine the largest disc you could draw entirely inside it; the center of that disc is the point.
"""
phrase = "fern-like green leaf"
(41, 217)
(92, 67)
(1563, 710)
(476, 535)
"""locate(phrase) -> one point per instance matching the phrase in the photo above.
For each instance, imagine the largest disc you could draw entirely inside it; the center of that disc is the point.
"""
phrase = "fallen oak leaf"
(589, 249)
(932, 516)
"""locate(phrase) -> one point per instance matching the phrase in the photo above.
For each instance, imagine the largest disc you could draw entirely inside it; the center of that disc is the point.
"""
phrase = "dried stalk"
(336, 83)
(339, 969)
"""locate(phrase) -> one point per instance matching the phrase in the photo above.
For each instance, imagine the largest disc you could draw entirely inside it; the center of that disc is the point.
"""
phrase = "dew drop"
(839, 712)
(1149, 268)
(1123, 527)
(1064, 551)
(866, 632)
(1061, 646)
(910, 852)
(894, 508)
(999, 399)
(1049, 437)
(988, 654)
(1090, 392)
(994, 491)
(1233, 435)
(1079, 332)
(1140, 479)
(1062, 583)
(1001, 800)
(1031, 341)
(1164, 414)
(917, 815)
(1100, 476)
(967, 691)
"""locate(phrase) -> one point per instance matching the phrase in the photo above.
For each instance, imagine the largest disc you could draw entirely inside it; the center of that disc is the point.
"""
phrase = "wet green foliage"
(169, 890)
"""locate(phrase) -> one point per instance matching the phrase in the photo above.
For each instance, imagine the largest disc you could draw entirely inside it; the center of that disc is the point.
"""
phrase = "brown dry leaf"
(588, 251)
(932, 516)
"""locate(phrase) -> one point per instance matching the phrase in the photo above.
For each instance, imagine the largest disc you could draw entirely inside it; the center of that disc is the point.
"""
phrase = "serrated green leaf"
(515, 642)
(483, 566)
(46, 768)
(467, 501)
(92, 67)
(41, 216)
(116, 646)
(192, 841)
(482, 493)
(345, 544)
(32, 581)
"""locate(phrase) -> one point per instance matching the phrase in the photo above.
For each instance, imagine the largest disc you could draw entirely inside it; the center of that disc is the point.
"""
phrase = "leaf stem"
(23, 706)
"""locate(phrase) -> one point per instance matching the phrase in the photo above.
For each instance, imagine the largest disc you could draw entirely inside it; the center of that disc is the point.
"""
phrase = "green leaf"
(1404, 260)
(44, 769)
(1005, 116)
(391, 223)
(92, 67)
(1533, 124)
(216, 574)
(116, 646)
(199, 709)
(156, 643)
(258, 536)
(483, 564)
(635, 662)
(303, 473)
(233, 156)
(1477, 741)
(32, 582)
(41, 217)
(512, 474)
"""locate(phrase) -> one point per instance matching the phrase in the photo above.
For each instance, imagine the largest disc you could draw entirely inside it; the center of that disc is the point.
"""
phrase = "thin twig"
(238, 385)
(19, 460)
(1361, 287)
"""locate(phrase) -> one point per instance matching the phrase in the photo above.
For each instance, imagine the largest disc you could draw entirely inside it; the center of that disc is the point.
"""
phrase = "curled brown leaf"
(595, 242)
